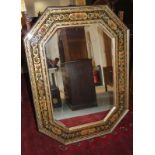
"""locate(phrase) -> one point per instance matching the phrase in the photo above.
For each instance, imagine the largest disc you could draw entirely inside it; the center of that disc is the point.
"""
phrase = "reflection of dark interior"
(56, 99)
(76, 68)
(72, 44)
(79, 74)
(78, 84)
(108, 76)
(108, 70)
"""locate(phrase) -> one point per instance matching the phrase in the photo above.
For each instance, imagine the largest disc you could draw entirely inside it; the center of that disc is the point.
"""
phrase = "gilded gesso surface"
(34, 44)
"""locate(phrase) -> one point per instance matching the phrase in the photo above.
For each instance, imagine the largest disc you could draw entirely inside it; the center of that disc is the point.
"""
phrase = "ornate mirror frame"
(35, 40)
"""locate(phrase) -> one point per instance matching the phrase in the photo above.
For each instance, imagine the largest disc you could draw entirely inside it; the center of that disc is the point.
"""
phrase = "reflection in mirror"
(80, 67)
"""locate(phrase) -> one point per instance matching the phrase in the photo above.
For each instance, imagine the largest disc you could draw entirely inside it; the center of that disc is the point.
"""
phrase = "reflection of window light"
(29, 36)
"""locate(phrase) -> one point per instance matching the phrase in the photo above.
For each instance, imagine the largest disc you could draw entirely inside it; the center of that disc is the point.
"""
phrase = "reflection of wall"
(52, 52)
(99, 46)
(96, 49)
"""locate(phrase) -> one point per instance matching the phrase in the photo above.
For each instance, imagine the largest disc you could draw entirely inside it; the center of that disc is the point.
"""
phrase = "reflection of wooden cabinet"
(108, 52)
(78, 82)
(108, 76)
(72, 44)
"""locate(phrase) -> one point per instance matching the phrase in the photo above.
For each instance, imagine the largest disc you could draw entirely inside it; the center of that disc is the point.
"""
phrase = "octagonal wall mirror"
(78, 65)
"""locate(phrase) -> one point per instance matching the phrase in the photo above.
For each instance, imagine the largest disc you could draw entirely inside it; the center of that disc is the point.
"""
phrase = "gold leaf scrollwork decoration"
(88, 131)
(56, 131)
(112, 24)
(78, 16)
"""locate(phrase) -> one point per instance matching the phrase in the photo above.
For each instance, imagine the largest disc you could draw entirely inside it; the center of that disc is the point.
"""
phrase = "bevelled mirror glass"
(78, 64)
(80, 70)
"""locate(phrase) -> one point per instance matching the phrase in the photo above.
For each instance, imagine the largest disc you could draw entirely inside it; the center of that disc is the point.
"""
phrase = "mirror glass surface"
(80, 69)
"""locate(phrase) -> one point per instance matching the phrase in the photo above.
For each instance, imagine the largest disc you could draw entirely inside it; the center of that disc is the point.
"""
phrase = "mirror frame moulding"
(58, 17)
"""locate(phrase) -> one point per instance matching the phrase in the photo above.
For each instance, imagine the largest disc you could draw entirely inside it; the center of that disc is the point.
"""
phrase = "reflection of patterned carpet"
(35, 143)
(84, 119)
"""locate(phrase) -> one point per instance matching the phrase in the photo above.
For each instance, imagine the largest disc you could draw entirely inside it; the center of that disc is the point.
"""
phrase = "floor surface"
(104, 103)
(119, 142)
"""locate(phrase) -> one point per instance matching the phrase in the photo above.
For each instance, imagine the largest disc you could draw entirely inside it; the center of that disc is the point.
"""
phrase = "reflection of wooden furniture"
(52, 71)
(72, 44)
(108, 76)
(107, 46)
(78, 82)
(56, 100)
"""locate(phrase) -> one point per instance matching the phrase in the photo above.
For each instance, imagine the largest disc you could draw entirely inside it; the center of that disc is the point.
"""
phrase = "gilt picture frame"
(52, 19)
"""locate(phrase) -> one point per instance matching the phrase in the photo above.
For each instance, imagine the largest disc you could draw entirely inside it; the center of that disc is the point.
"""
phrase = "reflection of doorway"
(99, 49)
(107, 49)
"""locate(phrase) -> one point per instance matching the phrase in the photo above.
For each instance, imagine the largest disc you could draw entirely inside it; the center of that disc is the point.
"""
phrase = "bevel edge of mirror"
(94, 123)
(42, 46)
